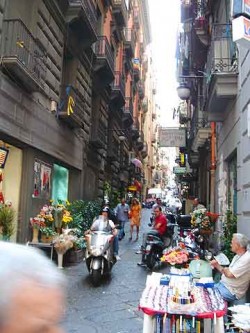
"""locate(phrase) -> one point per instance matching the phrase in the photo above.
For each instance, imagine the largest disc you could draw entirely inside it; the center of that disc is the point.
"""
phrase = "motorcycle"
(99, 255)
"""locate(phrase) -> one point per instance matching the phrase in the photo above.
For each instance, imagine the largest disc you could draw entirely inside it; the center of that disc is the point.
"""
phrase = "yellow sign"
(132, 188)
(71, 104)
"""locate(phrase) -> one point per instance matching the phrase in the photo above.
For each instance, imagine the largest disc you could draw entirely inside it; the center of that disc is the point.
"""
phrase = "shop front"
(29, 179)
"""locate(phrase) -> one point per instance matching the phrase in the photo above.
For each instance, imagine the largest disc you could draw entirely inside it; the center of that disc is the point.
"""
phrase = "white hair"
(242, 240)
(19, 263)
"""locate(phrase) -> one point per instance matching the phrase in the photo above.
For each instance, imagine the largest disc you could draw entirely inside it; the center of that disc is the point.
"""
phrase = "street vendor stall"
(176, 303)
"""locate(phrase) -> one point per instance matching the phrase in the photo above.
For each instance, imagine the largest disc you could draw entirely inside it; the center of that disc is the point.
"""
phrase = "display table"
(43, 246)
(175, 303)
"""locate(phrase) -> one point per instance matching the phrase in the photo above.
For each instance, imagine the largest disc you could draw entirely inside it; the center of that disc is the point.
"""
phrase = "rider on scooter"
(159, 224)
(107, 225)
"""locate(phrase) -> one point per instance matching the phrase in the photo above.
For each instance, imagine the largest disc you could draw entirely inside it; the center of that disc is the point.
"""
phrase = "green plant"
(47, 231)
(7, 216)
(83, 213)
(229, 228)
(79, 243)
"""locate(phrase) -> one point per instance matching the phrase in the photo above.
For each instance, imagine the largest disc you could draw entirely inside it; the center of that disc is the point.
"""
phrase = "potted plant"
(7, 216)
(47, 234)
(76, 253)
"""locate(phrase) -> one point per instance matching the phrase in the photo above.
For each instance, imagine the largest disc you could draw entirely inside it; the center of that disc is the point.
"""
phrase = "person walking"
(121, 211)
(135, 217)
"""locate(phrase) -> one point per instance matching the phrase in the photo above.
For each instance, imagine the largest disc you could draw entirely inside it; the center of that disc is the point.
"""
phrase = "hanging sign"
(241, 31)
(179, 170)
(172, 137)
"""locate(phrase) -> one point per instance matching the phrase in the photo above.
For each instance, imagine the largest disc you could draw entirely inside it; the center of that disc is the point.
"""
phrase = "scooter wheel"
(96, 277)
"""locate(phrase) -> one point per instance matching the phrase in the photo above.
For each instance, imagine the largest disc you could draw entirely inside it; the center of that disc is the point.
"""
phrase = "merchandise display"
(241, 316)
(178, 304)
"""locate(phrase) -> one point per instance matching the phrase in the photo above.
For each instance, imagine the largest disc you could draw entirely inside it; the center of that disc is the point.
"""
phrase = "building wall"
(244, 151)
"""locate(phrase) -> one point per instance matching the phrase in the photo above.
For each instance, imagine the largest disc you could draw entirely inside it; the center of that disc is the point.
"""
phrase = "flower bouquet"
(177, 256)
(62, 243)
(203, 219)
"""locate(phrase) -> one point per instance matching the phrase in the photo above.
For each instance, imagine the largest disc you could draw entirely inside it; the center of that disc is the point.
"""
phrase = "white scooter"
(99, 254)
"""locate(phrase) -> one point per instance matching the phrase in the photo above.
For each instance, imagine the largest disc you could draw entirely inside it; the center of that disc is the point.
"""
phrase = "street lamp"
(183, 90)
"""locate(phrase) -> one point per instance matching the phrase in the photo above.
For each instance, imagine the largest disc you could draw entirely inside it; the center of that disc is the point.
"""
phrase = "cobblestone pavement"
(113, 306)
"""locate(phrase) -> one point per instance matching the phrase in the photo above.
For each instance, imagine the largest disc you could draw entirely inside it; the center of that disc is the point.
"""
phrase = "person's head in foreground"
(31, 291)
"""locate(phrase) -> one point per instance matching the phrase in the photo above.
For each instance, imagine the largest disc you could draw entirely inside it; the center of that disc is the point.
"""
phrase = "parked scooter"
(99, 255)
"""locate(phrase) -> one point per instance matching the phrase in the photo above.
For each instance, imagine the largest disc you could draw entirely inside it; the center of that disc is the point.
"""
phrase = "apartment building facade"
(214, 69)
(71, 84)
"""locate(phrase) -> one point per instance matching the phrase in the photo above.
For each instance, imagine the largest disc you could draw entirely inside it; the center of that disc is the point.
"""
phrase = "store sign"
(241, 31)
(172, 137)
(241, 7)
(179, 170)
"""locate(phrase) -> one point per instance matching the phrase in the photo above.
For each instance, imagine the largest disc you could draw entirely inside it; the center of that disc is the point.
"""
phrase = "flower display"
(63, 242)
(175, 256)
(60, 213)
(203, 219)
(37, 222)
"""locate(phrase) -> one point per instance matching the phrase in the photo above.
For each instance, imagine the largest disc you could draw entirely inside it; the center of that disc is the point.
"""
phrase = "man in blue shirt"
(121, 211)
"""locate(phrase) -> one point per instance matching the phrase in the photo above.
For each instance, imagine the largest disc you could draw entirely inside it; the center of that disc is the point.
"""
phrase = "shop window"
(60, 182)
(232, 184)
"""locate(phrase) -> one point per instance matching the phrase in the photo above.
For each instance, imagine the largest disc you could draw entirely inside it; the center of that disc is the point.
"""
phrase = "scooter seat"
(153, 232)
(184, 221)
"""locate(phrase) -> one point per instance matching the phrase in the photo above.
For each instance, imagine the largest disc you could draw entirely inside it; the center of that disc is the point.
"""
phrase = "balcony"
(98, 137)
(128, 112)
(129, 43)
(188, 9)
(71, 108)
(113, 151)
(153, 138)
(82, 19)
(222, 71)
(22, 57)
(120, 12)
(144, 105)
(118, 90)
(136, 69)
(200, 131)
(135, 133)
(144, 152)
(136, 18)
(201, 29)
(140, 141)
(141, 88)
(104, 63)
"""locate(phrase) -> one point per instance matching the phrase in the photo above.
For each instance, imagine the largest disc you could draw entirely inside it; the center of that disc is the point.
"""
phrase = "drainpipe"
(212, 167)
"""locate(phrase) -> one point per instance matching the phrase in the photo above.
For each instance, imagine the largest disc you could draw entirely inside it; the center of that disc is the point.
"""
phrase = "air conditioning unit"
(131, 155)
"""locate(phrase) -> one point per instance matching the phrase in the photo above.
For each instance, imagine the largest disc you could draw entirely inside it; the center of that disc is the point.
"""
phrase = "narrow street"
(113, 306)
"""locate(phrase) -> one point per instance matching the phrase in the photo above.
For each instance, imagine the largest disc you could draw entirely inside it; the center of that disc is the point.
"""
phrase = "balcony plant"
(7, 216)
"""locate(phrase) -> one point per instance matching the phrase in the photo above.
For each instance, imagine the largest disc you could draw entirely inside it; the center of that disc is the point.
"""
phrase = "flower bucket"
(35, 235)
(46, 239)
(207, 232)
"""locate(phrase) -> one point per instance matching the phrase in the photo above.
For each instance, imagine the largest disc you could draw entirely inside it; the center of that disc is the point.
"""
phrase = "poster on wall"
(42, 180)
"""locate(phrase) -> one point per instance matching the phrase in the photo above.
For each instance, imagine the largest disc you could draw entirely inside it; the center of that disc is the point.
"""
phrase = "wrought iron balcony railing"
(22, 55)
(128, 108)
(103, 51)
(120, 11)
(222, 54)
(88, 10)
(130, 38)
(119, 83)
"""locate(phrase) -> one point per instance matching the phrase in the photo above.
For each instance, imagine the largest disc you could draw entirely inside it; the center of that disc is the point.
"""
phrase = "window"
(232, 184)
